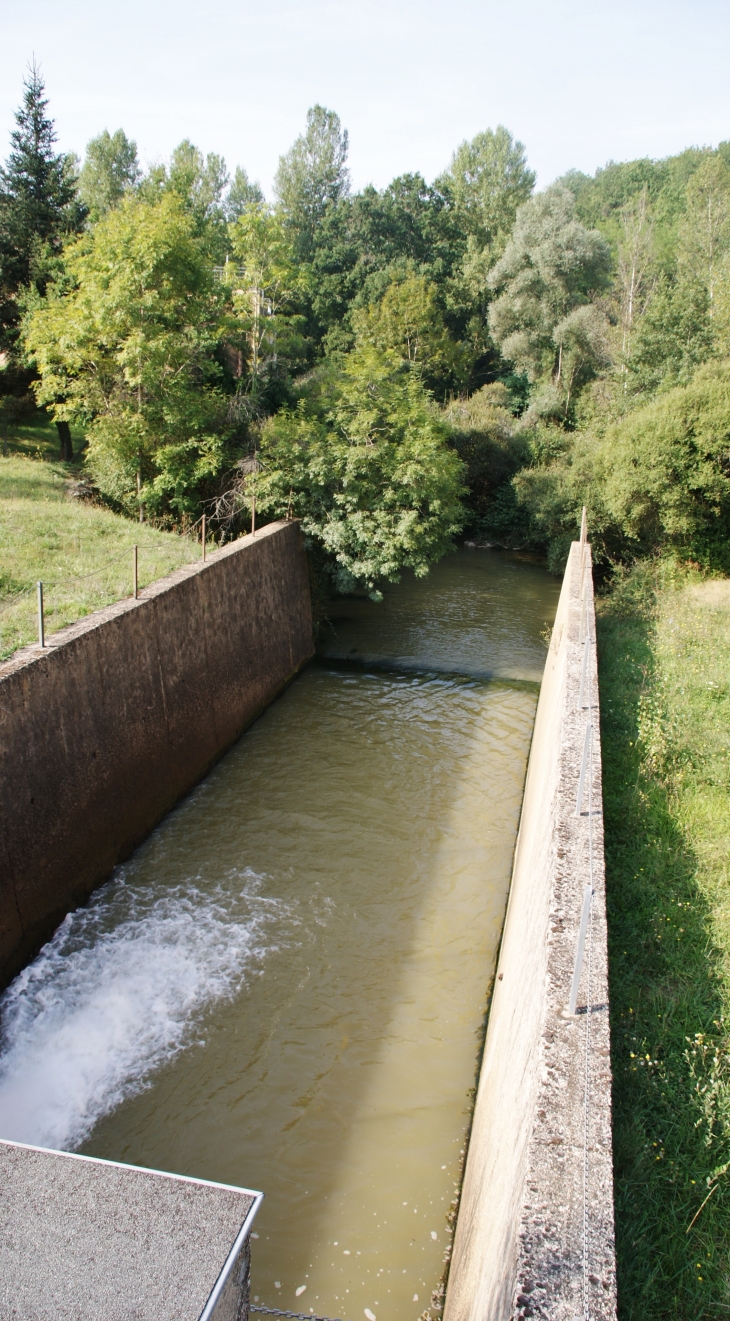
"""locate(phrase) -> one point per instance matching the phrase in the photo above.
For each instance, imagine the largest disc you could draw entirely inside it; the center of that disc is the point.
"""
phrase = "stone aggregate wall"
(105, 729)
(535, 1233)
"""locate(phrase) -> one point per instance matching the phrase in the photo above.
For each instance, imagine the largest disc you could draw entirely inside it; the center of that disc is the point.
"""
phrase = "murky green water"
(284, 988)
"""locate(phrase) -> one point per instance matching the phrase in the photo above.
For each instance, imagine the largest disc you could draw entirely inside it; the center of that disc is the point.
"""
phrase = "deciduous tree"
(364, 463)
(126, 345)
(110, 170)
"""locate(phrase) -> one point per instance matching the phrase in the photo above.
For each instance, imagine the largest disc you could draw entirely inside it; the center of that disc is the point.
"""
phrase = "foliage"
(363, 462)
(409, 320)
(110, 170)
(241, 194)
(38, 205)
(264, 340)
(488, 441)
(126, 343)
(660, 478)
(488, 180)
(545, 319)
(313, 175)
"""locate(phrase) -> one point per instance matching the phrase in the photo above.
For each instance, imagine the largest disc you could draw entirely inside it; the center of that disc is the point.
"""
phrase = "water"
(285, 987)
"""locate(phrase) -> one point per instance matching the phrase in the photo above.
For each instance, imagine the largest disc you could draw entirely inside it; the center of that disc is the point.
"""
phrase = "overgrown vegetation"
(664, 654)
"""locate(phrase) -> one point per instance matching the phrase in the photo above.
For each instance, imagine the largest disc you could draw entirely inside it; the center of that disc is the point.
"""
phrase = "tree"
(241, 194)
(409, 320)
(633, 283)
(199, 182)
(704, 229)
(263, 278)
(109, 171)
(313, 175)
(126, 344)
(666, 469)
(38, 206)
(488, 440)
(543, 318)
(489, 180)
(364, 463)
(674, 336)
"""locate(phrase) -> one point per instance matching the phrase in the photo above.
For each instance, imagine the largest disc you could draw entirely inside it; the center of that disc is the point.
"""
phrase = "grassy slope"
(664, 655)
(80, 551)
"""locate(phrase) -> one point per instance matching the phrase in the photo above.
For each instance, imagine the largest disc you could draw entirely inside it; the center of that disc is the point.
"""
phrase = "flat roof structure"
(92, 1240)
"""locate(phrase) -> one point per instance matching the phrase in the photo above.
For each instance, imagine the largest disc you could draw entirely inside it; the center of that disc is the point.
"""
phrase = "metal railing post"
(41, 627)
(580, 949)
(135, 578)
(583, 768)
(584, 670)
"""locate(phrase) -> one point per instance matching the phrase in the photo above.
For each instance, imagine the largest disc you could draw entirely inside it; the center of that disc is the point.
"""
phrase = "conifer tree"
(37, 188)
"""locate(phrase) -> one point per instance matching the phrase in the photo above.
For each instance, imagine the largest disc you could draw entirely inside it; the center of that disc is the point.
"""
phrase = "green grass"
(36, 439)
(664, 658)
(82, 552)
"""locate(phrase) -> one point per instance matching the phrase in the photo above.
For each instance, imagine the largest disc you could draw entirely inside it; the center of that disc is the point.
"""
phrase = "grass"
(664, 658)
(82, 552)
(36, 439)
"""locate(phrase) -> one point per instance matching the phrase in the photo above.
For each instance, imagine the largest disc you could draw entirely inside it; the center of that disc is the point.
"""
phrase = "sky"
(578, 82)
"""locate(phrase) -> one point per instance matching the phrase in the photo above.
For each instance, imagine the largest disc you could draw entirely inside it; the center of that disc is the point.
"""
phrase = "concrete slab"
(92, 1240)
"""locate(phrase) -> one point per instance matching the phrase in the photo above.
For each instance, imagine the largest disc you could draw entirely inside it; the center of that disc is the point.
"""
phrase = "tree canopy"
(514, 354)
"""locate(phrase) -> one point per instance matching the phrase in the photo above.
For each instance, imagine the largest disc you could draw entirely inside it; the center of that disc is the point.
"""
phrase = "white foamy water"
(119, 991)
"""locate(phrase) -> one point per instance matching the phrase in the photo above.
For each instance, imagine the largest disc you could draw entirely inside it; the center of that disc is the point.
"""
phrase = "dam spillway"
(285, 986)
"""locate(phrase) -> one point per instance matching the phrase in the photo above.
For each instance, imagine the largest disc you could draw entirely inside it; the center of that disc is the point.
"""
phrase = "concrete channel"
(179, 674)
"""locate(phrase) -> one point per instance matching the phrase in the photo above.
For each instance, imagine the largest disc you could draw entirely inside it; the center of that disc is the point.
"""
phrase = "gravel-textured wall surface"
(534, 1235)
(90, 1240)
(121, 714)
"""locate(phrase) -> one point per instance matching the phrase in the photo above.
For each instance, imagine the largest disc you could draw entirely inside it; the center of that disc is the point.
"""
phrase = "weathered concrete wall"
(540, 1150)
(103, 731)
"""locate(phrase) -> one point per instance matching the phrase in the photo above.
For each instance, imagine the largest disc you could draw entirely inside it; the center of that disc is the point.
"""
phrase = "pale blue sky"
(577, 81)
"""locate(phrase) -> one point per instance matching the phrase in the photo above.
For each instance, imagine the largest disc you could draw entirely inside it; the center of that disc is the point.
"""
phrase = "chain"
(298, 1316)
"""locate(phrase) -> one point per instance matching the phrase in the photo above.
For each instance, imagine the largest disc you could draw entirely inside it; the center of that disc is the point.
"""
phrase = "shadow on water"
(294, 966)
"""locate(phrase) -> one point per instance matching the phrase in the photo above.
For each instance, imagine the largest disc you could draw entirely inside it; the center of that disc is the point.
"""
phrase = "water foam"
(117, 993)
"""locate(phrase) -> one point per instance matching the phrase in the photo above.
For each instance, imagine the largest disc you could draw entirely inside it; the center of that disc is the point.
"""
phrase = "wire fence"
(298, 1316)
(192, 540)
(585, 935)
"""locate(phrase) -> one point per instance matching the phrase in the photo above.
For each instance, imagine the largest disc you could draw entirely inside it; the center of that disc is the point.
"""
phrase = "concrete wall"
(103, 731)
(540, 1150)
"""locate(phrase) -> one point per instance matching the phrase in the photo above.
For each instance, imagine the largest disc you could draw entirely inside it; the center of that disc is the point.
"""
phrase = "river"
(285, 987)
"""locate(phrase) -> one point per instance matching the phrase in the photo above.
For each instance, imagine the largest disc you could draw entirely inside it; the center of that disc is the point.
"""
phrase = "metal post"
(204, 538)
(583, 768)
(580, 949)
(584, 670)
(41, 629)
(585, 554)
(135, 579)
(253, 513)
(583, 527)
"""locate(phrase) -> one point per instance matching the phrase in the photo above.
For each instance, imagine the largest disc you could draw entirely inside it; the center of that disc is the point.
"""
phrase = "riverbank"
(664, 668)
(81, 551)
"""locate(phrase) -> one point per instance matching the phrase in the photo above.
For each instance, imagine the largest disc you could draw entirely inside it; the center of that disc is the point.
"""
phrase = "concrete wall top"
(90, 1240)
(106, 728)
(535, 1235)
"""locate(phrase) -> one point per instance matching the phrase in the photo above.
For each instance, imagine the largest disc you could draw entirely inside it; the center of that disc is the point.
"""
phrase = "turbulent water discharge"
(285, 987)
